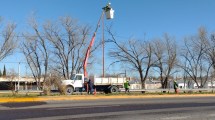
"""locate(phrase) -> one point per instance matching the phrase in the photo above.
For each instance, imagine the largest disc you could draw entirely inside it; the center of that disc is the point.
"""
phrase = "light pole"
(19, 75)
(109, 15)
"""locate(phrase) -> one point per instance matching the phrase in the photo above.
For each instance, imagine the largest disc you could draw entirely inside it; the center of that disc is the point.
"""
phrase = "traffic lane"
(78, 103)
(78, 110)
(22, 104)
(197, 113)
(138, 100)
(163, 100)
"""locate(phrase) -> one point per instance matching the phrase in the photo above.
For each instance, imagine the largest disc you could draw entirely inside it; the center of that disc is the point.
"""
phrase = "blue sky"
(133, 18)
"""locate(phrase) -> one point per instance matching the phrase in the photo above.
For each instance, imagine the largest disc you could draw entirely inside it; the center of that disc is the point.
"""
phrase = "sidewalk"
(94, 97)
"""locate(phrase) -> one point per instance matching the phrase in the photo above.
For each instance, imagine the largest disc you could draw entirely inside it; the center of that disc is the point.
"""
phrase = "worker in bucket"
(107, 7)
(126, 86)
(175, 86)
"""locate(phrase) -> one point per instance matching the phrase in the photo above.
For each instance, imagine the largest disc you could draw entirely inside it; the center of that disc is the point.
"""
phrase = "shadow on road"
(22, 104)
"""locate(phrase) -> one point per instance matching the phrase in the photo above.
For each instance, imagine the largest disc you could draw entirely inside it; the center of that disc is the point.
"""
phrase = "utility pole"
(109, 15)
(103, 49)
(19, 75)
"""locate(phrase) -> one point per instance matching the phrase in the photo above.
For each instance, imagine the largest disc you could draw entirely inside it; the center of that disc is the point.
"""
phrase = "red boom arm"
(89, 47)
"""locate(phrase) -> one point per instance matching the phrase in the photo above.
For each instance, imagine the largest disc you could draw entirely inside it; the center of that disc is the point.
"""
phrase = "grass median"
(18, 95)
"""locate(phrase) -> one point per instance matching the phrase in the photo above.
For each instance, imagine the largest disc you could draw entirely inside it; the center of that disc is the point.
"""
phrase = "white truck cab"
(74, 84)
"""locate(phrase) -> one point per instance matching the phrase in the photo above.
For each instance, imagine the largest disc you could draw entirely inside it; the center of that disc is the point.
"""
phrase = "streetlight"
(19, 75)
(109, 12)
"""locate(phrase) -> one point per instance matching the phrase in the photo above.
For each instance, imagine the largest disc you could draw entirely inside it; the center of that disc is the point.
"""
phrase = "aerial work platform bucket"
(109, 12)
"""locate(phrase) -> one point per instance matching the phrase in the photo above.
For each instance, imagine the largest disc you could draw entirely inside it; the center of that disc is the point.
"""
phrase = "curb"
(89, 97)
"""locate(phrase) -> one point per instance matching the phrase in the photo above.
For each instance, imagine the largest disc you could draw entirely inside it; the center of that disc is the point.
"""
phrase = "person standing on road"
(126, 86)
(175, 86)
(90, 87)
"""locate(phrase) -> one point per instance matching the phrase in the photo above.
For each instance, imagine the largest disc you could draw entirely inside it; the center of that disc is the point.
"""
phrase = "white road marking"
(175, 118)
(83, 107)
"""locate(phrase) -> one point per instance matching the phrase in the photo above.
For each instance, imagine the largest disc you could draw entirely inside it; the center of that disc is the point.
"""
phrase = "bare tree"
(210, 44)
(198, 65)
(58, 46)
(32, 55)
(210, 53)
(136, 54)
(165, 51)
(69, 41)
(35, 49)
(8, 40)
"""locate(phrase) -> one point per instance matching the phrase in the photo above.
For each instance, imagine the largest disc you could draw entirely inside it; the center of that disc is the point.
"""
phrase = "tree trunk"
(142, 80)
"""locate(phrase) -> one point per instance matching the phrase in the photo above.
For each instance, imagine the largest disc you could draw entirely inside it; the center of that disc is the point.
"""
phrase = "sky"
(140, 19)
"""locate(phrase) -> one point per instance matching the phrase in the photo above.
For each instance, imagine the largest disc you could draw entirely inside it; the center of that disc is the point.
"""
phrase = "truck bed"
(109, 81)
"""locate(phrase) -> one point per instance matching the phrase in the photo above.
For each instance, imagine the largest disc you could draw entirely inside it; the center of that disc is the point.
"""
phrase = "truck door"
(78, 81)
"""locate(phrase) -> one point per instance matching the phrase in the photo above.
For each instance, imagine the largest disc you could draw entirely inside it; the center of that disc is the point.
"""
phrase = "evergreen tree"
(4, 72)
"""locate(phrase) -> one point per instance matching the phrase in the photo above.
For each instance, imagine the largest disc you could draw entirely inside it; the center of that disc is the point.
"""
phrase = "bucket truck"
(78, 81)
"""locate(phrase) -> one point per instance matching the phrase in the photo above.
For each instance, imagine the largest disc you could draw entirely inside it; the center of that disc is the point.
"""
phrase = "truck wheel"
(114, 89)
(69, 90)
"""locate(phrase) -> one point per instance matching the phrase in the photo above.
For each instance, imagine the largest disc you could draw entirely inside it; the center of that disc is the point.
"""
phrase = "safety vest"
(126, 84)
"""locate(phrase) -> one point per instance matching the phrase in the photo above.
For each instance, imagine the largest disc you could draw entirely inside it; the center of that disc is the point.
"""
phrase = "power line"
(62, 35)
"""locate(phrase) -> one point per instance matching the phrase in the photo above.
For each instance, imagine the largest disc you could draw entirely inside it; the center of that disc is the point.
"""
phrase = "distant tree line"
(196, 58)
(58, 48)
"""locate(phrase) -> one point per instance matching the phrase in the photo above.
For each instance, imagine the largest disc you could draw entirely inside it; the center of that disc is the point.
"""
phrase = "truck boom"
(89, 47)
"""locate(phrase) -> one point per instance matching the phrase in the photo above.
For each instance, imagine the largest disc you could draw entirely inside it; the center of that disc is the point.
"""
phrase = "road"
(186, 108)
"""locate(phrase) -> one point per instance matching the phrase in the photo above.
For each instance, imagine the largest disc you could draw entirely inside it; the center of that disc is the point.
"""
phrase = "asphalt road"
(191, 108)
